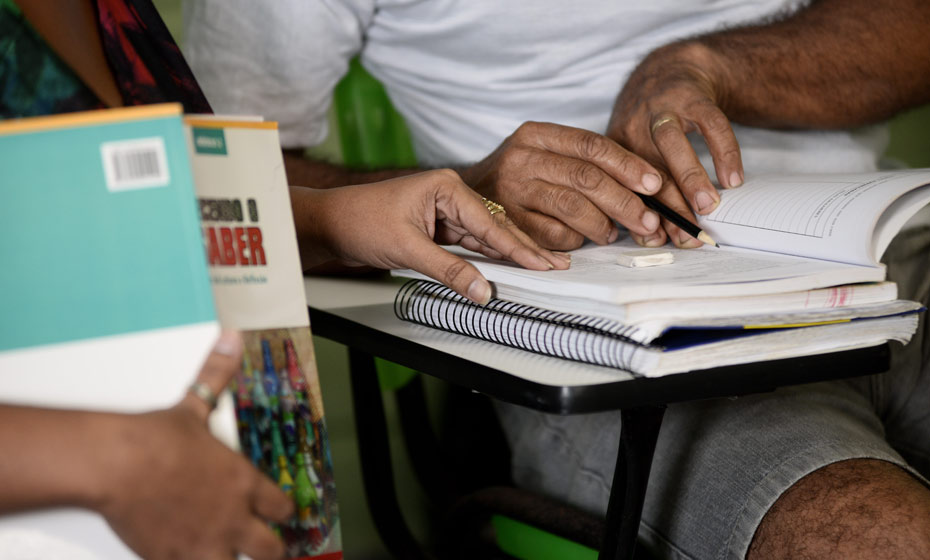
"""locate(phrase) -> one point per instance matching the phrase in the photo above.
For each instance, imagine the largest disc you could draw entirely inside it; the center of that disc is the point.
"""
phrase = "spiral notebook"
(606, 342)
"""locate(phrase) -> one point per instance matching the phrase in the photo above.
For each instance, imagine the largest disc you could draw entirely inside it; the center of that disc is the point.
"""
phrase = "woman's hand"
(172, 490)
(398, 224)
(165, 485)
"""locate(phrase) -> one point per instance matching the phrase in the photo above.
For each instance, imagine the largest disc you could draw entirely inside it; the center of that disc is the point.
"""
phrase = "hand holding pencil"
(677, 219)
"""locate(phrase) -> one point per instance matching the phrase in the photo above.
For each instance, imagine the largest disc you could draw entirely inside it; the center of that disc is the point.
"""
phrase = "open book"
(845, 218)
(786, 243)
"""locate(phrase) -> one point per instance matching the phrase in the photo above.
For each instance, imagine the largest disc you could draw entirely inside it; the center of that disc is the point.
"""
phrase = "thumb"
(223, 362)
(453, 271)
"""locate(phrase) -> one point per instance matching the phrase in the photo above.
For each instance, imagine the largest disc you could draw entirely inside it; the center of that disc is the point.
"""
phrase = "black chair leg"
(422, 445)
(375, 455)
(638, 434)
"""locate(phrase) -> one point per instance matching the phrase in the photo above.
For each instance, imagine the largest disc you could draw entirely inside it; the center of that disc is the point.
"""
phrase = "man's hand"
(172, 490)
(673, 92)
(398, 223)
(563, 184)
(830, 64)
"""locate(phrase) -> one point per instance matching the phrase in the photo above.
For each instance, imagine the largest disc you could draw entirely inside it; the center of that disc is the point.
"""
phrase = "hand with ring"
(401, 223)
(173, 486)
(562, 184)
(493, 207)
(673, 92)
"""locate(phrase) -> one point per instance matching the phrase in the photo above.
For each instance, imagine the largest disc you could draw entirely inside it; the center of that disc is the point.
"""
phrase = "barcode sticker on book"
(135, 164)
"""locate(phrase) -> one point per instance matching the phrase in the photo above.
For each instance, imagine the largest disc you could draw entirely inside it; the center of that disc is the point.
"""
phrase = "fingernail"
(704, 202)
(544, 262)
(564, 259)
(650, 220)
(735, 180)
(651, 182)
(229, 343)
(613, 235)
(479, 291)
(654, 240)
(685, 241)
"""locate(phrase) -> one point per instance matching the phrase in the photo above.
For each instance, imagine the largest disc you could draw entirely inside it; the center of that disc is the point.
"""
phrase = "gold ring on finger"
(659, 122)
(202, 391)
(493, 207)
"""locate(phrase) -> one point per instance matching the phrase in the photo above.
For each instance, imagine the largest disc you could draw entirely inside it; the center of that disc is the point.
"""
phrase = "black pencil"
(677, 219)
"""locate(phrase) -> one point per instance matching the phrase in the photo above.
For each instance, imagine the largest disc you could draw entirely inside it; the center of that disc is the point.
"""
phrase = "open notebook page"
(846, 218)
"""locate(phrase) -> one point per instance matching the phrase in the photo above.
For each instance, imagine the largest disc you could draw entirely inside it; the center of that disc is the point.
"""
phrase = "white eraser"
(645, 257)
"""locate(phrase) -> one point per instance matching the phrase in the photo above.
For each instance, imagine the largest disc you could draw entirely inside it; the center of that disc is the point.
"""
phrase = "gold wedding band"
(493, 207)
(203, 392)
(660, 122)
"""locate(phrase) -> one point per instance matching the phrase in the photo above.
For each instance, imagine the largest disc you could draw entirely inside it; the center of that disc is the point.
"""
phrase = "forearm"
(313, 210)
(334, 225)
(54, 457)
(314, 207)
(307, 172)
(834, 64)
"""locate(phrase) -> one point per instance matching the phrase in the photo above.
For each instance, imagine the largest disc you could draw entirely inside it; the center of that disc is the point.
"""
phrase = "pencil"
(677, 219)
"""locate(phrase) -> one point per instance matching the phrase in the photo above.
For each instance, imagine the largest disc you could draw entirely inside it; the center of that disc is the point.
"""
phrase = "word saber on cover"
(231, 246)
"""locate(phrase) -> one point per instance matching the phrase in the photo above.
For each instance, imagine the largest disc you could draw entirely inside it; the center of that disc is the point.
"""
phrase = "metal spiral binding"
(593, 340)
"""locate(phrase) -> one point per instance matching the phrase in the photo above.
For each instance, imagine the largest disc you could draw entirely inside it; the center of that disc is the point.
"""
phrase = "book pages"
(844, 218)
(705, 272)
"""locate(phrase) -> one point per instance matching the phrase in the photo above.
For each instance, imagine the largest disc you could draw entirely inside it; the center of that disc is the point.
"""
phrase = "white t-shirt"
(466, 73)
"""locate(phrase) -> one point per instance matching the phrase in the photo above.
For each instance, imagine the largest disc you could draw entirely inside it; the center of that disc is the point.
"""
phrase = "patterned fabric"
(146, 63)
(33, 80)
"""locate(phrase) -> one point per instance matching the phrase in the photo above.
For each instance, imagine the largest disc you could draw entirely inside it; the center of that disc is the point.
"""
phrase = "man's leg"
(852, 509)
(719, 467)
(871, 509)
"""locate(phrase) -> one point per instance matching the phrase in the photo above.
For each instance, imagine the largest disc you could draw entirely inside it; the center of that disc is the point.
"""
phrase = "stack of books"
(130, 237)
(797, 273)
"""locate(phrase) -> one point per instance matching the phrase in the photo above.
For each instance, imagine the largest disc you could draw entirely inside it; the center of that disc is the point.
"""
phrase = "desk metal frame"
(642, 403)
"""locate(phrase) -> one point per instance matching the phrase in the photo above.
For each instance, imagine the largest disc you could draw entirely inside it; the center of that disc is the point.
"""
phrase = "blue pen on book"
(677, 219)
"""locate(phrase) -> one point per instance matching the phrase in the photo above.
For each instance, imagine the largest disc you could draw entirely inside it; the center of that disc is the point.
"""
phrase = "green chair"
(472, 495)
(373, 135)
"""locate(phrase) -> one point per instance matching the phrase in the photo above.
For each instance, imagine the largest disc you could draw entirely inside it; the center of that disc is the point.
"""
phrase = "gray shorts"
(721, 464)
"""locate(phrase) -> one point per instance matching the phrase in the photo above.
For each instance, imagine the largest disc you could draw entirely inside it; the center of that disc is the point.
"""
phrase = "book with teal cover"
(79, 240)
(105, 299)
